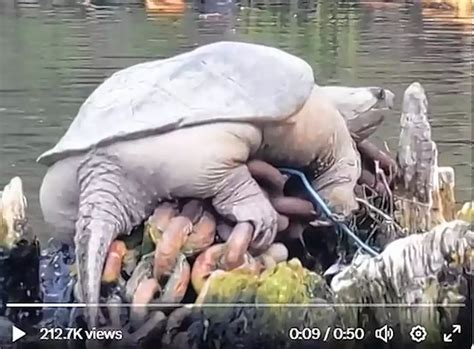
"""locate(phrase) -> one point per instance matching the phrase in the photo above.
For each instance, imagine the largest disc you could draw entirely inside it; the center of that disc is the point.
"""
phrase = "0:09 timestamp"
(334, 333)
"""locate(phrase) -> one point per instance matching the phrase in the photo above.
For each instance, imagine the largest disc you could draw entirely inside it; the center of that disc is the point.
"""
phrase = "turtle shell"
(224, 81)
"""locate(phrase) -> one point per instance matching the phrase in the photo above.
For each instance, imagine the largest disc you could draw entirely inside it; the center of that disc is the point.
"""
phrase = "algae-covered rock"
(229, 324)
(286, 283)
(295, 288)
(229, 287)
(271, 303)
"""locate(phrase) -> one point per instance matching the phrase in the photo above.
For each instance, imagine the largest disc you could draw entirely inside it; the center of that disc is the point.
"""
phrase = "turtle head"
(363, 108)
(383, 98)
(333, 163)
(354, 102)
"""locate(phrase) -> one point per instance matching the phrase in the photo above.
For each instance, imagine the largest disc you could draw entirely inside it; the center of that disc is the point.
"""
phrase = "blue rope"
(320, 203)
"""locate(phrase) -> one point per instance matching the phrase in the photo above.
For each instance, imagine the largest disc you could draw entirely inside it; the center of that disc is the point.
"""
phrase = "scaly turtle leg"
(240, 199)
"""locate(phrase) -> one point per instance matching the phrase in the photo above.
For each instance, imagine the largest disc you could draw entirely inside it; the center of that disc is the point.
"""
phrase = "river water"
(55, 52)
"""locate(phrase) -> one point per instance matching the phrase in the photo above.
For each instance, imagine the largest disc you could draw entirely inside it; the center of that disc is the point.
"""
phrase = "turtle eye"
(381, 94)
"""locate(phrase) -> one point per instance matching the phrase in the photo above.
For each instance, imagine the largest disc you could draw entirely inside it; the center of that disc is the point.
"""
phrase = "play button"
(17, 333)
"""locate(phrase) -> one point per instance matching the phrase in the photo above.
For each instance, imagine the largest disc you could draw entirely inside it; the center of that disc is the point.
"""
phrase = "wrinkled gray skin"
(104, 192)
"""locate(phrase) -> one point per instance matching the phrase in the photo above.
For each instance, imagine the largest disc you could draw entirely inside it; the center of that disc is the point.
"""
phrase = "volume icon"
(384, 333)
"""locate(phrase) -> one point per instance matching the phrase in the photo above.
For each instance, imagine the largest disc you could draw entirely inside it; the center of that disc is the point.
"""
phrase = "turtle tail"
(93, 239)
(106, 209)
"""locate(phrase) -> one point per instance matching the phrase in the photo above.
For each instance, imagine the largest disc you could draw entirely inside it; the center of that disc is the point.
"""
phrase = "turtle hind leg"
(108, 207)
(240, 199)
(59, 196)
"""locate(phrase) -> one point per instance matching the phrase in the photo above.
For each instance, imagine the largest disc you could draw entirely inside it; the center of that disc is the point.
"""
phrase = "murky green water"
(53, 55)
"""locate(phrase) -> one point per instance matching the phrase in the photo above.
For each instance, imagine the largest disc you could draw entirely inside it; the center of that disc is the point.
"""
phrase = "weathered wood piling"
(13, 206)
(425, 191)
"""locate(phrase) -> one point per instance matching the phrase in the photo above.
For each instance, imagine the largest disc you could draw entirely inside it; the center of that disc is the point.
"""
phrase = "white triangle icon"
(17, 334)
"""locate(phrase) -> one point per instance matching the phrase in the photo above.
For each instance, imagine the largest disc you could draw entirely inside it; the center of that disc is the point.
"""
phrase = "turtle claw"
(317, 223)
(338, 218)
(237, 245)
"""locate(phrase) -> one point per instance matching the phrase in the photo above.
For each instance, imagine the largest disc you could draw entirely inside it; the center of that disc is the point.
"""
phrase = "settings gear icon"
(418, 334)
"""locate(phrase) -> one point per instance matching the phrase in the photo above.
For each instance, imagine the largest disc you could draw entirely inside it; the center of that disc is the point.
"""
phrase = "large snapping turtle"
(186, 127)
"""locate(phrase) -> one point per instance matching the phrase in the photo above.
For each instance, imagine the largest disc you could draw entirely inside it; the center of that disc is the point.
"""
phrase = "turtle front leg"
(336, 185)
(240, 199)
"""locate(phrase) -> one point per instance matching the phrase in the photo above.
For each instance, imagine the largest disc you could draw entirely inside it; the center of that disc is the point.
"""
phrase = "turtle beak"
(368, 122)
